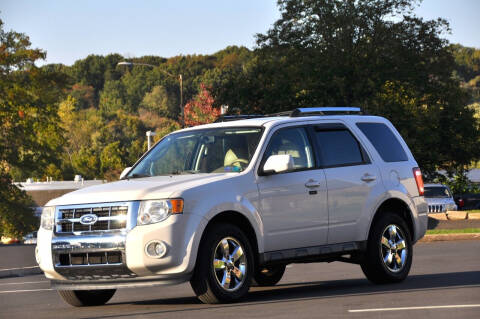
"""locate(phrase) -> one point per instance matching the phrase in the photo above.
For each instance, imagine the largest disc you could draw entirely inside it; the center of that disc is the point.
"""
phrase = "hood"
(156, 187)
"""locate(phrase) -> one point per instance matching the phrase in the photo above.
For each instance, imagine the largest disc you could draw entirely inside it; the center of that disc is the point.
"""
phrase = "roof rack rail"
(309, 111)
(303, 111)
(229, 118)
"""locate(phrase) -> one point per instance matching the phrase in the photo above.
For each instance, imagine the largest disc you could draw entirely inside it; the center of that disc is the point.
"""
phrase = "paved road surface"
(444, 274)
(17, 256)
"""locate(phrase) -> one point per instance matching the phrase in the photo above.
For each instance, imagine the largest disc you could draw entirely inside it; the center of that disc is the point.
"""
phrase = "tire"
(222, 275)
(85, 298)
(389, 251)
(268, 276)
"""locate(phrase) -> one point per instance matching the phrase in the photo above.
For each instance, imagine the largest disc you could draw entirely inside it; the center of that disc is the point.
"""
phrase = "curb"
(20, 272)
(448, 237)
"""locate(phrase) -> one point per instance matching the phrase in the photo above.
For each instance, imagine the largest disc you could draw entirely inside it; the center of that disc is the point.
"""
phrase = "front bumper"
(117, 259)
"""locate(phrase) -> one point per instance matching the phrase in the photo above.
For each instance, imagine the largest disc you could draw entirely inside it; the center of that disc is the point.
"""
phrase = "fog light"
(155, 249)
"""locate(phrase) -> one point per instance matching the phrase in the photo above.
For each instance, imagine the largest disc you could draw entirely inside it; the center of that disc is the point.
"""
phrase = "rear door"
(352, 180)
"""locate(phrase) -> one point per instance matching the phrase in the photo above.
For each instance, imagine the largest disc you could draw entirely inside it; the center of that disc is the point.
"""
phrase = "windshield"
(439, 192)
(202, 151)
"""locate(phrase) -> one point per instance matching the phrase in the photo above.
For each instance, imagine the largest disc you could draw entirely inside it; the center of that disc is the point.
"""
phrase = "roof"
(275, 120)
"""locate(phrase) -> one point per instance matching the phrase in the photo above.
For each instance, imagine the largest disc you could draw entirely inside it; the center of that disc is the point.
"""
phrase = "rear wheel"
(224, 268)
(268, 276)
(389, 251)
(82, 298)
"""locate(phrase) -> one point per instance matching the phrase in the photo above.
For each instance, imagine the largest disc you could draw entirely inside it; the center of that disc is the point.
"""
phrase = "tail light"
(417, 173)
(461, 203)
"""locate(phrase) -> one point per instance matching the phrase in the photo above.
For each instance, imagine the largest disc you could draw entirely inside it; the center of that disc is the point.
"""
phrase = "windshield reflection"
(201, 151)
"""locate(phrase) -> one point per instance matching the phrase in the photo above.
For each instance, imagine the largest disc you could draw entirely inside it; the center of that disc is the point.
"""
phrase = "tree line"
(90, 118)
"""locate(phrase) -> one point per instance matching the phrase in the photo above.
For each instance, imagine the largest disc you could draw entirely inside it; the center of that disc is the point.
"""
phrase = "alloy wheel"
(229, 264)
(393, 248)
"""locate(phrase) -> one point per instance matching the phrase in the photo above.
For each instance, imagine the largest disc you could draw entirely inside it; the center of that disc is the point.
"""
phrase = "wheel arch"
(237, 219)
(398, 207)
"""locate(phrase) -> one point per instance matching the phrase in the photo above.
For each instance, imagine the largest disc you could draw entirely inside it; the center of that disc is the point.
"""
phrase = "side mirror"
(125, 172)
(278, 164)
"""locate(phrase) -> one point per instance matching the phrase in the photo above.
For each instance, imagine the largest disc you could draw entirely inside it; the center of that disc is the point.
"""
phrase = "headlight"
(48, 216)
(155, 211)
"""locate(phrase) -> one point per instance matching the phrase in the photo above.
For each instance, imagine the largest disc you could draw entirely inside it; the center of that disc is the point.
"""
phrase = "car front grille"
(107, 218)
(95, 258)
(436, 208)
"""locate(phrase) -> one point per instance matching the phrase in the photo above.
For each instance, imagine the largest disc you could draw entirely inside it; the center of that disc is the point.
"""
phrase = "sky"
(71, 30)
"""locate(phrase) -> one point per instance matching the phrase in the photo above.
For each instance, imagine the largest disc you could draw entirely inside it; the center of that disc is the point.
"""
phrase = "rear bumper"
(421, 218)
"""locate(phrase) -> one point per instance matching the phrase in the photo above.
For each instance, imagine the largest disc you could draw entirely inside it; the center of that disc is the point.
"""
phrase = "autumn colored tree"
(200, 110)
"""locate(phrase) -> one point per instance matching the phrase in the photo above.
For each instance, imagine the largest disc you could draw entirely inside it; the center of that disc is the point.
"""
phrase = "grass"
(473, 211)
(453, 231)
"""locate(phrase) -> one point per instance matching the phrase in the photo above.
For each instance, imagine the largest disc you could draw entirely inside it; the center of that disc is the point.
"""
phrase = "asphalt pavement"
(444, 283)
(17, 256)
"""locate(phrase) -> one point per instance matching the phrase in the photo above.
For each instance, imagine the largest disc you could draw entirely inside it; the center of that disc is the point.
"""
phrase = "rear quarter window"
(384, 141)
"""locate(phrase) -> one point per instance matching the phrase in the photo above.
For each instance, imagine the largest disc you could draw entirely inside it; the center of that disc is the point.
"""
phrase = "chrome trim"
(131, 217)
(77, 220)
(437, 208)
(88, 244)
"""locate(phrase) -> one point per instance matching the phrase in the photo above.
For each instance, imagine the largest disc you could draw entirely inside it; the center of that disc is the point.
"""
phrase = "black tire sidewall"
(204, 269)
(87, 298)
(270, 279)
(377, 270)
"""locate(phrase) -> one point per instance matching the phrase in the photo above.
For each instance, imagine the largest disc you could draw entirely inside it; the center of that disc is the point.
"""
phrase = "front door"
(293, 205)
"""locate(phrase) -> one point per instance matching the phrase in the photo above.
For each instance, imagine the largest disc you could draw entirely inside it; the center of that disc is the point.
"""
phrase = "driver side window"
(294, 142)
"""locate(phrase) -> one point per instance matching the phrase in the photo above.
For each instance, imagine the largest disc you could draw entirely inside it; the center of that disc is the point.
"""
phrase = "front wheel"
(389, 251)
(82, 298)
(224, 268)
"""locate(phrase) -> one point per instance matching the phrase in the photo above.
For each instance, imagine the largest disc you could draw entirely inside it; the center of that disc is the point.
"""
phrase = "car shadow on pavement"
(293, 292)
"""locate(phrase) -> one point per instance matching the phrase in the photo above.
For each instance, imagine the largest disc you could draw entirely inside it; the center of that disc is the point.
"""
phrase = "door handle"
(368, 178)
(312, 183)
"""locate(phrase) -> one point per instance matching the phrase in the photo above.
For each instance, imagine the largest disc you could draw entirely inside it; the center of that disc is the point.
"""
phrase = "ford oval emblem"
(88, 219)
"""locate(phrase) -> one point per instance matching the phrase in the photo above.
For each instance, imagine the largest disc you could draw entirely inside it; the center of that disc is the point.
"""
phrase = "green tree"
(16, 216)
(160, 101)
(111, 160)
(332, 52)
(29, 134)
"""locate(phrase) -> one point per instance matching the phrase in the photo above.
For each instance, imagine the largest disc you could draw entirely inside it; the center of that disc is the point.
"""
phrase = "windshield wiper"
(179, 172)
(138, 176)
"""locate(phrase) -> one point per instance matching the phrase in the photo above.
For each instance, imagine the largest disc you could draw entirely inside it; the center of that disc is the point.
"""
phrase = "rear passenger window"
(338, 148)
(384, 141)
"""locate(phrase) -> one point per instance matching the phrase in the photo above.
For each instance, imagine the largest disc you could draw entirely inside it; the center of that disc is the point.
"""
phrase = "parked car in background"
(30, 238)
(439, 198)
(7, 240)
(468, 201)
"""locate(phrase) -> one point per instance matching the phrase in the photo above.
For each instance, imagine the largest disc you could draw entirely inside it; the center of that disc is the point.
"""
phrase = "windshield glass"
(437, 192)
(202, 151)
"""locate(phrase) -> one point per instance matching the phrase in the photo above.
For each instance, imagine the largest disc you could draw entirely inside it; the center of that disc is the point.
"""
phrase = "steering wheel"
(240, 161)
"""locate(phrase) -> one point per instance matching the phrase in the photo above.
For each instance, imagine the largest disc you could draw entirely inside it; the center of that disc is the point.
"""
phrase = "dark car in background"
(468, 201)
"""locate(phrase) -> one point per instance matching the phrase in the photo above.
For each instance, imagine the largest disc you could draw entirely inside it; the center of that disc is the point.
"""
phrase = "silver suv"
(230, 204)
(439, 198)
